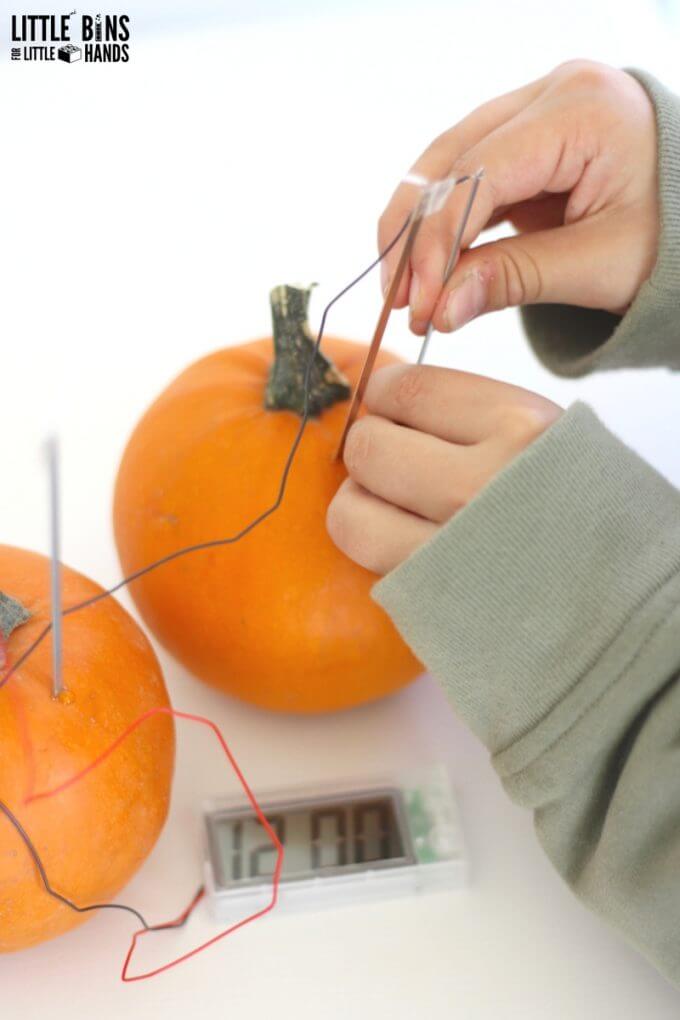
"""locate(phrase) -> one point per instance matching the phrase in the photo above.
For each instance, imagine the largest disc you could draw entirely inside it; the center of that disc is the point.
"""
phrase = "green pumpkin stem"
(293, 347)
(12, 614)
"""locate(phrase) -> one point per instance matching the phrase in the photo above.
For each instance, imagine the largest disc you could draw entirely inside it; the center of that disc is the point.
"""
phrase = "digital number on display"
(331, 836)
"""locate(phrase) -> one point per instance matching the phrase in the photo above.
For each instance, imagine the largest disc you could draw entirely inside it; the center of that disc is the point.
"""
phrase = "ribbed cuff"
(518, 598)
(574, 341)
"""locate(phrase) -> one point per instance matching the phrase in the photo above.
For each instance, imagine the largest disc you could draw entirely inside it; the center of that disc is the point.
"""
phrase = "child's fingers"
(413, 470)
(442, 436)
(373, 533)
(436, 162)
(522, 159)
(399, 208)
(428, 264)
(569, 265)
(545, 212)
(455, 406)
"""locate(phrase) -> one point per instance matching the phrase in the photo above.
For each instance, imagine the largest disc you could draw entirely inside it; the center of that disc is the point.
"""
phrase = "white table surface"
(146, 211)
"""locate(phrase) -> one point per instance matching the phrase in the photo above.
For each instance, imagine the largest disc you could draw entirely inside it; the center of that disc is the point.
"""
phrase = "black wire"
(167, 559)
(210, 544)
(30, 846)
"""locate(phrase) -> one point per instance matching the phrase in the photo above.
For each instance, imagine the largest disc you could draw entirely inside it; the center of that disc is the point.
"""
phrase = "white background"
(147, 209)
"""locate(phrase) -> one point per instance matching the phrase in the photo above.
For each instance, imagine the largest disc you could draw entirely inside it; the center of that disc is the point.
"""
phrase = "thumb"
(568, 265)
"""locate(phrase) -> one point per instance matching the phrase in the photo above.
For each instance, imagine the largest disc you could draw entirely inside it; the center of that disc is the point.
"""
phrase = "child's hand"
(570, 161)
(432, 439)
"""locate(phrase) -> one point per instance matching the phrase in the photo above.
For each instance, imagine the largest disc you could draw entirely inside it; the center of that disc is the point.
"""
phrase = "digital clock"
(342, 844)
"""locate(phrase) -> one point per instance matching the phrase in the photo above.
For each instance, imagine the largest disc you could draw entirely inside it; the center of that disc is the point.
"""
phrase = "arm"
(554, 625)
(532, 562)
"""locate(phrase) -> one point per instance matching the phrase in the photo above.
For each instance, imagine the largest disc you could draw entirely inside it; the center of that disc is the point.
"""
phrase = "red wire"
(185, 715)
(276, 878)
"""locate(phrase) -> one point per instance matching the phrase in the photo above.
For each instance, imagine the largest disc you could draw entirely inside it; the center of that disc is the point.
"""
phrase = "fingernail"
(465, 301)
(384, 277)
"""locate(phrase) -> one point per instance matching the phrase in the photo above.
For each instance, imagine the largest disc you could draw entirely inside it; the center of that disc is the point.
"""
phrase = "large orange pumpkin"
(280, 618)
(93, 836)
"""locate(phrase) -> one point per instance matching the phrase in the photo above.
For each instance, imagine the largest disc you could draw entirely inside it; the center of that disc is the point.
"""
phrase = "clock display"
(329, 836)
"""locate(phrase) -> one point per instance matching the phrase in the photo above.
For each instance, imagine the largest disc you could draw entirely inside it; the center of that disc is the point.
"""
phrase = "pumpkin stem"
(12, 615)
(293, 347)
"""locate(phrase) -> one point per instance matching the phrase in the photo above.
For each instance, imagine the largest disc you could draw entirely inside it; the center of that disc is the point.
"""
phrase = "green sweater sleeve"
(574, 341)
(549, 608)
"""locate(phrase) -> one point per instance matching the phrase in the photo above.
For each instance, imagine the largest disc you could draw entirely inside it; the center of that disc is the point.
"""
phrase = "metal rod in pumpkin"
(55, 566)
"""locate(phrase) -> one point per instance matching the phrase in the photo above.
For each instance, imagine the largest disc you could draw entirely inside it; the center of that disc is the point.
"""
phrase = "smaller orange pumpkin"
(281, 618)
(95, 835)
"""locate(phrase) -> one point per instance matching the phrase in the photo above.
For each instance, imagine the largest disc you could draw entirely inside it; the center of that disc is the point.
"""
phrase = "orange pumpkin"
(93, 836)
(280, 618)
